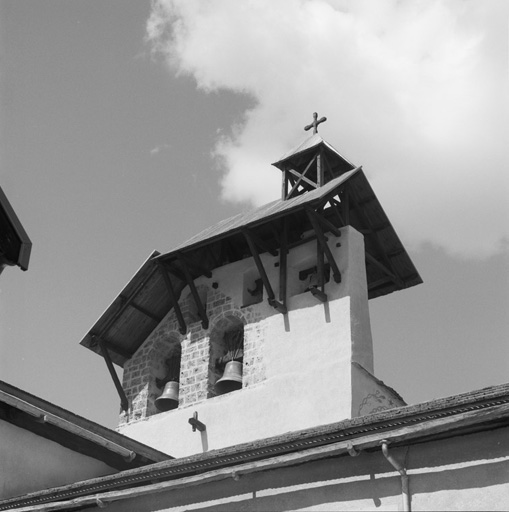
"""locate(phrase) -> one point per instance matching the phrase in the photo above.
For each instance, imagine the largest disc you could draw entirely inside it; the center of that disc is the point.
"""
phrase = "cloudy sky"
(127, 126)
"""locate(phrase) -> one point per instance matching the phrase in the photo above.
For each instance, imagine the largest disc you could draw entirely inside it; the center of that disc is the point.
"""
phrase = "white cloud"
(415, 91)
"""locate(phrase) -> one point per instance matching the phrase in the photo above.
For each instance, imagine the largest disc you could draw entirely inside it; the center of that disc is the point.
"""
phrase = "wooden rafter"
(124, 403)
(112, 348)
(375, 237)
(263, 274)
(173, 298)
(382, 267)
(191, 263)
(141, 309)
(199, 304)
(313, 218)
(126, 304)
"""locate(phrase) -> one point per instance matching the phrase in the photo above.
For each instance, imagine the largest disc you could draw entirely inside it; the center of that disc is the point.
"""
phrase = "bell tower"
(259, 325)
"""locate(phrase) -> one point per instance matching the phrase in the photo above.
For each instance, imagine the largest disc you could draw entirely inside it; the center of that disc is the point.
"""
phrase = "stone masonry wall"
(198, 371)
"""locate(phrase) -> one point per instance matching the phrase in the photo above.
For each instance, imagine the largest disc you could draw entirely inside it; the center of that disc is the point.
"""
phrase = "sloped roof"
(145, 301)
(47, 420)
(443, 418)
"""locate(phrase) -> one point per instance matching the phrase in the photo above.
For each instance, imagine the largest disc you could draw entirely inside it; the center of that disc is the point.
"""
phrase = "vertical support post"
(319, 169)
(284, 184)
(124, 403)
(283, 267)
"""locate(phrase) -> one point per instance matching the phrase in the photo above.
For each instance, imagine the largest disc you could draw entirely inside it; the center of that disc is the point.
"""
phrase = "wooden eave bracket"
(124, 403)
(314, 218)
(263, 274)
(199, 304)
(191, 263)
(173, 297)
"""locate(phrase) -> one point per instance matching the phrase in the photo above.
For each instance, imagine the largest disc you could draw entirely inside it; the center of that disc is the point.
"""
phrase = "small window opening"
(169, 398)
(253, 288)
(230, 363)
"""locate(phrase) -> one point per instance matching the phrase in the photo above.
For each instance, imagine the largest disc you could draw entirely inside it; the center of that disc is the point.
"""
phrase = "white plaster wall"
(307, 357)
(30, 463)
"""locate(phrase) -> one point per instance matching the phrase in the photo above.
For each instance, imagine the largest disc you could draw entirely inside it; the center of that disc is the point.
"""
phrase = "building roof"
(145, 300)
(15, 246)
(47, 420)
(476, 411)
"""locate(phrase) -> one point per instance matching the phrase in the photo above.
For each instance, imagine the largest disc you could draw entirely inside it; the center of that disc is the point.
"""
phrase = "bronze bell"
(231, 379)
(169, 398)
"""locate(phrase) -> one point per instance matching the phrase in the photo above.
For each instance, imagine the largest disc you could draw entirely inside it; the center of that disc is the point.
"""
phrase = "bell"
(231, 379)
(169, 398)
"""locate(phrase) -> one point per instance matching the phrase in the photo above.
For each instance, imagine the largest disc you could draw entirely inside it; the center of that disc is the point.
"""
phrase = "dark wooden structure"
(15, 246)
(322, 192)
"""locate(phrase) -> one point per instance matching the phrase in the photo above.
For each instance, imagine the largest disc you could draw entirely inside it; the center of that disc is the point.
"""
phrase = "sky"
(128, 126)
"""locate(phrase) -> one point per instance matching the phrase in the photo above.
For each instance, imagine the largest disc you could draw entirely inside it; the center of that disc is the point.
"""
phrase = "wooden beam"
(261, 244)
(284, 184)
(141, 309)
(302, 177)
(191, 263)
(266, 283)
(283, 262)
(345, 204)
(110, 346)
(383, 268)
(128, 301)
(312, 215)
(199, 304)
(375, 236)
(319, 169)
(124, 403)
(319, 290)
(173, 298)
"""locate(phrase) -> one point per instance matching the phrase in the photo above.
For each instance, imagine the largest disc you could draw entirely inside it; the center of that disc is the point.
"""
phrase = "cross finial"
(315, 123)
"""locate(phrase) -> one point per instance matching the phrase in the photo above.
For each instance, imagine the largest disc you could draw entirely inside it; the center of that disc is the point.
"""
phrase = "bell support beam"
(266, 283)
(173, 298)
(313, 218)
(199, 304)
(124, 403)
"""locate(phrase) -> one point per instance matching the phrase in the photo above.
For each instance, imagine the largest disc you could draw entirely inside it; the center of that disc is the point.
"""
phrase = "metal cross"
(315, 123)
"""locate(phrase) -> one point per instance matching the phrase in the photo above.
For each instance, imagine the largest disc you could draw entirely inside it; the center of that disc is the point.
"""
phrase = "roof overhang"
(49, 421)
(145, 301)
(15, 246)
(477, 411)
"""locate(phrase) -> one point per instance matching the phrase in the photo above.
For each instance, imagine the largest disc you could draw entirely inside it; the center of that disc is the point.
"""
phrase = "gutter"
(405, 491)
(45, 417)
(228, 463)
